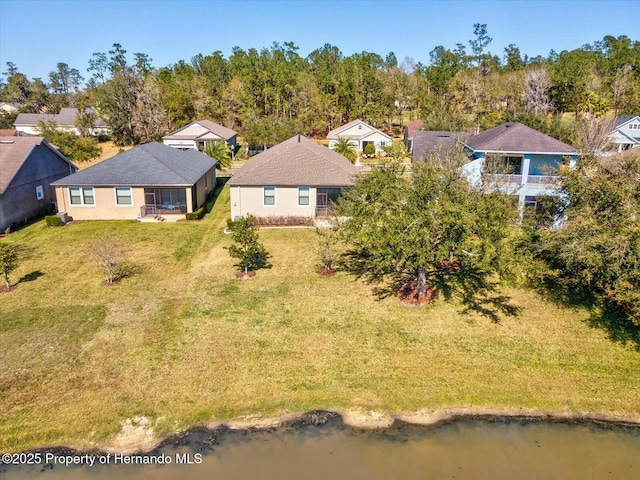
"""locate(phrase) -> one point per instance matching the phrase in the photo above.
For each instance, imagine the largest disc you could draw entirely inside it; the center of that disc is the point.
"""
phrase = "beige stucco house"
(360, 134)
(150, 181)
(296, 178)
(196, 135)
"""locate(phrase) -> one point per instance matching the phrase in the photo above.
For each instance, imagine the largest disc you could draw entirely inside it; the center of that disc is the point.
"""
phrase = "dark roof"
(622, 119)
(413, 126)
(517, 138)
(222, 132)
(150, 164)
(66, 117)
(14, 151)
(428, 142)
(298, 161)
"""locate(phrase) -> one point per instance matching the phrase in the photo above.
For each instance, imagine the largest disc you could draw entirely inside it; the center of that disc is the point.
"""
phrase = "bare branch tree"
(109, 253)
(536, 85)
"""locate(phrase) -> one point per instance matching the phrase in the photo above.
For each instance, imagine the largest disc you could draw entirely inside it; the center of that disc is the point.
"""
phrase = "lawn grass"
(181, 341)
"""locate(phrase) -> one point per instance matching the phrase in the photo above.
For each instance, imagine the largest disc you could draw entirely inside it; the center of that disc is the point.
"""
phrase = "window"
(269, 195)
(81, 196)
(123, 196)
(303, 196)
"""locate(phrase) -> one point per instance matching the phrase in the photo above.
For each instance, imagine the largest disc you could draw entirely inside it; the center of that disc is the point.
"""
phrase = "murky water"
(465, 449)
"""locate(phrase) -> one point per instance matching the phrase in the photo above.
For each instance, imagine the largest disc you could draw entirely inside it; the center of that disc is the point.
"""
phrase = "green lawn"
(182, 342)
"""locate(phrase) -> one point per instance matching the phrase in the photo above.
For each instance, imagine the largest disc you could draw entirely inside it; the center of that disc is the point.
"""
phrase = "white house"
(360, 134)
(196, 135)
(27, 123)
(296, 178)
(625, 132)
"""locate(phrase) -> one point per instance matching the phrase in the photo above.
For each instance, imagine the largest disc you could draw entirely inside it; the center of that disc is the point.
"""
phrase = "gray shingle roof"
(517, 138)
(14, 151)
(151, 164)
(66, 118)
(222, 132)
(428, 142)
(622, 119)
(298, 161)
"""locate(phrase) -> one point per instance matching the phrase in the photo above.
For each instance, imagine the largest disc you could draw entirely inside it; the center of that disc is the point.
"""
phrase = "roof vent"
(298, 138)
(7, 141)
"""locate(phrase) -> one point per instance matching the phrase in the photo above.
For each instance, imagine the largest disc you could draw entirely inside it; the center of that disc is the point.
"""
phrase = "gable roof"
(428, 142)
(622, 119)
(335, 133)
(150, 164)
(66, 118)
(298, 161)
(218, 130)
(413, 126)
(515, 137)
(14, 151)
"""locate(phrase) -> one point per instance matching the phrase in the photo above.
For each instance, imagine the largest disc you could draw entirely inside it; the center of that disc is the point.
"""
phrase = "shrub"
(369, 149)
(53, 221)
(274, 221)
(197, 215)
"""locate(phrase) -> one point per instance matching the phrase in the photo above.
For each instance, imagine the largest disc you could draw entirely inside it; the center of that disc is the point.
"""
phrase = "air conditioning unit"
(63, 217)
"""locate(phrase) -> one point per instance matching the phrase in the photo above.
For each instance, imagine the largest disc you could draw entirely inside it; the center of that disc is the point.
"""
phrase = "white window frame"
(82, 197)
(115, 195)
(264, 196)
(308, 197)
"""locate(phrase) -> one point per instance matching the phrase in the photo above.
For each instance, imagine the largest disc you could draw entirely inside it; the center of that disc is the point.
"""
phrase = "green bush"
(197, 215)
(370, 149)
(53, 221)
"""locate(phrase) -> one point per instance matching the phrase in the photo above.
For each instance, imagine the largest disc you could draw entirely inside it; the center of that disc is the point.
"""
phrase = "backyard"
(182, 342)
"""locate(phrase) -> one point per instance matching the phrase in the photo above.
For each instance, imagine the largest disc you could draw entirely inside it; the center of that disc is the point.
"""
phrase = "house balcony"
(523, 180)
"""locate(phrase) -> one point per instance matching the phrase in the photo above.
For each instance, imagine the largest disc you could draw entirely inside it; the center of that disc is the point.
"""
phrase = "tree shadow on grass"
(473, 287)
(602, 314)
(30, 277)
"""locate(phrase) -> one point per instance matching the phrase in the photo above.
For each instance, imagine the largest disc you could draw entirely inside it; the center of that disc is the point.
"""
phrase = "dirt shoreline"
(136, 436)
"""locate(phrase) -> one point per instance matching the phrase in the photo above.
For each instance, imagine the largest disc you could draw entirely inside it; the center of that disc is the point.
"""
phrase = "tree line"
(272, 93)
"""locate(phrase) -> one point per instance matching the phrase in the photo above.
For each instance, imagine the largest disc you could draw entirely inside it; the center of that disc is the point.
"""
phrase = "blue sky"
(37, 34)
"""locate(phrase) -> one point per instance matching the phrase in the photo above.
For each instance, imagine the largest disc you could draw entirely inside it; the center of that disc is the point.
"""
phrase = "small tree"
(110, 254)
(328, 246)
(250, 253)
(8, 260)
(369, 149)
(221, 152)
(346, 148)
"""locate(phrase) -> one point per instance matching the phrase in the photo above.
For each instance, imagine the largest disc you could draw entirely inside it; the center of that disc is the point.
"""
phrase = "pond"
(469, 448)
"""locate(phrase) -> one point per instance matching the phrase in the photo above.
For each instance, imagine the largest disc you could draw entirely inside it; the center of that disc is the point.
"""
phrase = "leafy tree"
(429, 232)
(72, 146)
(346, 148)
(8, 260)
(221, 152)
(250, 253)
(110, 254)
(597, 250)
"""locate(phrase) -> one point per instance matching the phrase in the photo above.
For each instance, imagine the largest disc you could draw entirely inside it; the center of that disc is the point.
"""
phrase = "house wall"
(181, 144)
(19, 200)
(247, 200)
(105, 207)
(380, 140)
(204, 187)
(540, 164)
